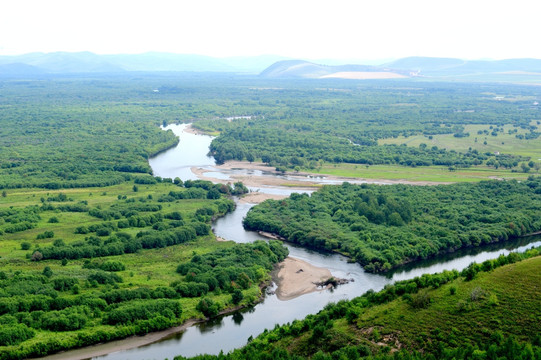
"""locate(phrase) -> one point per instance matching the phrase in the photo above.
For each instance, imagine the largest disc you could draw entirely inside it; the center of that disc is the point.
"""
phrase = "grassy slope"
(511, 303)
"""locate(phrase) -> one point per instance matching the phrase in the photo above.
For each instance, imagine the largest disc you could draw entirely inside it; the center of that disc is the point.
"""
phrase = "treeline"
(382, 227)
(374, 325)
(290, 148)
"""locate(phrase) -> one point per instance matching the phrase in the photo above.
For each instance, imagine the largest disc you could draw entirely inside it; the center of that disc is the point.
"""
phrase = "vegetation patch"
(385, 226)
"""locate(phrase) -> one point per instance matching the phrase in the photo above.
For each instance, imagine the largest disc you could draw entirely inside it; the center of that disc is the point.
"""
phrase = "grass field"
(503, 143)
(421, 173)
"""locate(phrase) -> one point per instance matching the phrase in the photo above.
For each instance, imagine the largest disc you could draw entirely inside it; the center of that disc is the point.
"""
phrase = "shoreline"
(291, 283)
(131, 342)
(300, 180)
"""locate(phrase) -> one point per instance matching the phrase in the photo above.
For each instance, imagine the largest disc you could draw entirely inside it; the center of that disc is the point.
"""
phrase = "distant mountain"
(305, 69)
(86, 62)
(455, 67)
(64, 62)
(19, 69)
(270, 66)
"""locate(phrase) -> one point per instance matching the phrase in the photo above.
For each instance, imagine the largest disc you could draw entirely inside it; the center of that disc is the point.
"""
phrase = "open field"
(418, 174)
(504, 142)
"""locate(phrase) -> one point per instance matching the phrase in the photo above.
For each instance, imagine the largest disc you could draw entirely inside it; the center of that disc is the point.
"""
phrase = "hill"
(489, 311)
(87, 62)
(306, 69)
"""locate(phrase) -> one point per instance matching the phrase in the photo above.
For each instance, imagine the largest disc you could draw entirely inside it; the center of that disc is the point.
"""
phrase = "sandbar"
(295, 277)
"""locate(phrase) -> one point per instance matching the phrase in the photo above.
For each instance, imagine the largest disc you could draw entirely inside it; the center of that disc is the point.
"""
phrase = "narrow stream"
(232, 331)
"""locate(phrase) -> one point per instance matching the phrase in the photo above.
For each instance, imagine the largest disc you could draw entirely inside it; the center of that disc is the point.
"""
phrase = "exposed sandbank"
(296, 277)
(301, 180)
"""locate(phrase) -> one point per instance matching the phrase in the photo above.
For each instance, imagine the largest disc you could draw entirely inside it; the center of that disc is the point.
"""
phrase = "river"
(232, 331)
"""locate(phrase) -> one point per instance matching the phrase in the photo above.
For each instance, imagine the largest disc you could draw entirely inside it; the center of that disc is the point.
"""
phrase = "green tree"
(237, 296)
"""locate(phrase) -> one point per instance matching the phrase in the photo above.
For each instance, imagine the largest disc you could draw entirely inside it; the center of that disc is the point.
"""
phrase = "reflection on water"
(462, 258)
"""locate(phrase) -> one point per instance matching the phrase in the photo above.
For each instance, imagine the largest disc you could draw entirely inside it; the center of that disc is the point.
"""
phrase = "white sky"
(345, 29)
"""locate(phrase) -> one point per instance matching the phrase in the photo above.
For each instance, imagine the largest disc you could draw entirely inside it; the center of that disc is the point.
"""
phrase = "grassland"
(504, 142)
(417, 174)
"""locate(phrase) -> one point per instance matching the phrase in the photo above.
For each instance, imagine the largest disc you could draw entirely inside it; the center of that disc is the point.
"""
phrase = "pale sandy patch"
(191, 130)
(364, 75)
(271, 180)
(296, 277)
(257, 197)
(255, 180)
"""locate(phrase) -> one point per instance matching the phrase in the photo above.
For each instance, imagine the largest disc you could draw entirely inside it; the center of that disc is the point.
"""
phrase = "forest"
(381, 227)
(49, 127)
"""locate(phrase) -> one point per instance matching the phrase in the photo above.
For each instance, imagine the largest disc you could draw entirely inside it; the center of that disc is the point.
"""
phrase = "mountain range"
(268, 66)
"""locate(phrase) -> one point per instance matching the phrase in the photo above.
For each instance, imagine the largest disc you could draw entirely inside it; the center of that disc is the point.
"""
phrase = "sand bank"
(296, 277)
(257, 197)
(299, 180)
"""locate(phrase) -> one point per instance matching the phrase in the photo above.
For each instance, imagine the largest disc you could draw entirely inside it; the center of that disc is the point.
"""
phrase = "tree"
(213, 194)
(208, 307)
(37, 256)
(237, 296)
(47, 271)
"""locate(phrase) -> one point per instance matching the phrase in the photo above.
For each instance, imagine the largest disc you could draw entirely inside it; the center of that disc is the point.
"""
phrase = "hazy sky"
(375, 29)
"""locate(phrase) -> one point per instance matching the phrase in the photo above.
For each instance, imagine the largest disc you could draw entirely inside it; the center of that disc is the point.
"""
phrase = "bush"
(208, 307)
(45, 235)
(421, 299)
(25, 245)
(237, 296)
(14, 334)
(144, 311)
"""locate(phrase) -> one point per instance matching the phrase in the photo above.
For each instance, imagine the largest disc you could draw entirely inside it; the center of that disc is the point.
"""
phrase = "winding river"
(232, 331)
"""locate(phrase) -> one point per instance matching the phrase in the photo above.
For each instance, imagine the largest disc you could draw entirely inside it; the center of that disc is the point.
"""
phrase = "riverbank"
(261, 175)
(118, 345)
(295, 277)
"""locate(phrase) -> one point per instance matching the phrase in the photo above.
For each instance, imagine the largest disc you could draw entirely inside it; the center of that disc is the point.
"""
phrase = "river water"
(232, 331)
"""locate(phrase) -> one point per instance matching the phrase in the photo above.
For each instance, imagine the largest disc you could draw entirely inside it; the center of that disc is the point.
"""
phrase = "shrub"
(208, 307)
